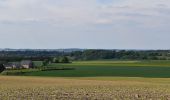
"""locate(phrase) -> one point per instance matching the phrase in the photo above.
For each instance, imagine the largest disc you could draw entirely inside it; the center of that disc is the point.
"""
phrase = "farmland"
(38, 88)
(91, 80)
(148, 69)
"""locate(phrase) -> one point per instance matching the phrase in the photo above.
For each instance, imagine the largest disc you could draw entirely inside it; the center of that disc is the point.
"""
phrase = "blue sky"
(109, 24)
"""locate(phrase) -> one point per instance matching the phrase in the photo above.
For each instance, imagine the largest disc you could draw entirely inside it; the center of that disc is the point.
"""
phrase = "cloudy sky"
(110, 24)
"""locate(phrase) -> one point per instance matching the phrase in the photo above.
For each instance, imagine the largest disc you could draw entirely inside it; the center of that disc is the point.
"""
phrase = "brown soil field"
(40, 88)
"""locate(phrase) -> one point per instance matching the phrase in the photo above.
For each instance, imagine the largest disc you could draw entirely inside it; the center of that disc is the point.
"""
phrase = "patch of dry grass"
(39, 88)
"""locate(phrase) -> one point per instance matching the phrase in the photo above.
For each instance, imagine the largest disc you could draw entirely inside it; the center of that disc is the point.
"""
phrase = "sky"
(93, 24)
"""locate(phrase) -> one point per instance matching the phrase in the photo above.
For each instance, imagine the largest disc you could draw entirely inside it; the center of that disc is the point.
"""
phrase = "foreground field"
(38, 88)
(90, 80)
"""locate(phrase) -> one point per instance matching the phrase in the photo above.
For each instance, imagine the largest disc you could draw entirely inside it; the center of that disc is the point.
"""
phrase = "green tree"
(2, 68)
(45, 62)
(55, 60)
(64, 60)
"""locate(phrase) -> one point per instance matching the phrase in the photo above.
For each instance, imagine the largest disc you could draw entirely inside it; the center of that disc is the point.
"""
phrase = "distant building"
(8, 66)
(13, 65)
(16, 65)
(27, 64)
(19, 65)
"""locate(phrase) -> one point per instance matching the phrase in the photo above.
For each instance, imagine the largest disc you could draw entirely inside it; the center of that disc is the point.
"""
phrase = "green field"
(147, 69)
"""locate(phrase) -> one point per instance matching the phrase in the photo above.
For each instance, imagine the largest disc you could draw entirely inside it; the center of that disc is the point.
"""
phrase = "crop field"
(91, 80)
(147, 69)
(39, 88)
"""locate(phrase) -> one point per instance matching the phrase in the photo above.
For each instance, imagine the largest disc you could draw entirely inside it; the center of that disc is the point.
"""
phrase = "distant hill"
(58, 50)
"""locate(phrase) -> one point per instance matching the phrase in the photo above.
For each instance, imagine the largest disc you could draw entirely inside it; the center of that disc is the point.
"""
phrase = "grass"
(147, 69)
(88, 71)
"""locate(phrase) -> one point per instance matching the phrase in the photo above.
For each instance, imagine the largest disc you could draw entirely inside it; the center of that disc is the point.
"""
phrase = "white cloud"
(83, 18)
(78, 11)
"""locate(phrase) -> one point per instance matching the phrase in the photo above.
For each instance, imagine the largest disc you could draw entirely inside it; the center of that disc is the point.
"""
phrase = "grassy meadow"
(90, 80)
(147, 69)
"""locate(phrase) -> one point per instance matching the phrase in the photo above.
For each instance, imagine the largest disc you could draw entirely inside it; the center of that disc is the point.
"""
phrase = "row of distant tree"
(85, 55)
(62, 59)
(121, 55)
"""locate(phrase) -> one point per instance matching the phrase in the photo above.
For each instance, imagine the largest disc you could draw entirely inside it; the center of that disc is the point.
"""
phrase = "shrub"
(2, 68)
(64, 60)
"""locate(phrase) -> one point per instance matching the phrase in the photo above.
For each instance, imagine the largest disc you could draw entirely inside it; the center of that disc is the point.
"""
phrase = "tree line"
(86, 55)
(121, 55)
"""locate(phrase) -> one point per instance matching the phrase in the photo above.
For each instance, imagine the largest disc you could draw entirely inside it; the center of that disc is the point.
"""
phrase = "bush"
(2, 68)
(55, 60)
(45, 62)
(64, 60)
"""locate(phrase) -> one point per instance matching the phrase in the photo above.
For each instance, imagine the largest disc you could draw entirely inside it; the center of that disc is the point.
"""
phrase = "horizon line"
(73, 48)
